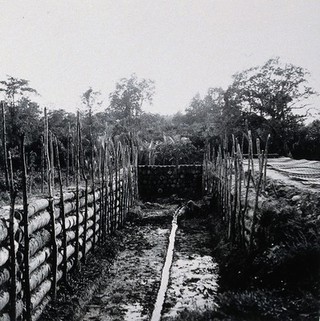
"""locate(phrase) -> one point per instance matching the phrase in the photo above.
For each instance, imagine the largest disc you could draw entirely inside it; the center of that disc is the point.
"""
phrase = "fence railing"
(80, 221)
(43, 240)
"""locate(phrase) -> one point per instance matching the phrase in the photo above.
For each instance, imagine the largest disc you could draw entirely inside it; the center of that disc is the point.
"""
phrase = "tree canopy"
(130, 95)
(267, 99)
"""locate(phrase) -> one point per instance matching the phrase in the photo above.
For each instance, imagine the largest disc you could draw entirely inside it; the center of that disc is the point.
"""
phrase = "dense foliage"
(265, 99)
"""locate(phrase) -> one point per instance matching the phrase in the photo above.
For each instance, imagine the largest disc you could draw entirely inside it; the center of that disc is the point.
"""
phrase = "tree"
(205, 117)
(91, 100)
(59, 123)
(306, 144)
(25, 119)
(13, 87)
(206, 110)
(21, 110)
(273, 92)
(127, 100)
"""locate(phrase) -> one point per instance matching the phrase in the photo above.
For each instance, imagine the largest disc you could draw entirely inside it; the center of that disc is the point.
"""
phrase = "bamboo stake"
(13, 270)
(102, 204)
(62, 213)
(27, 293)
(111, 187)
(136, 194)
(127, 156)
(68, 157)
(254, 217)
(250, 158)
(125, 182)
(72, 157)
(50, 162)
(116, 189)
(259, 154)
(4, 144)
(84, 176)
(265, 163)
(77, 167)
(240, 175)
(234, 161)
(42, 163)
(85, 220)
(94, 202)
(120, 187)
(107, 183)
(93, 179)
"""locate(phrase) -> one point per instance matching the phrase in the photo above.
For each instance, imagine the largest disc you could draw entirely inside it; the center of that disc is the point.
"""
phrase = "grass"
(280, 279)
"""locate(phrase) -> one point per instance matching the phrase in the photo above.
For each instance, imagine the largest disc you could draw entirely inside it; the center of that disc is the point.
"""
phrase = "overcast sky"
(63, 47)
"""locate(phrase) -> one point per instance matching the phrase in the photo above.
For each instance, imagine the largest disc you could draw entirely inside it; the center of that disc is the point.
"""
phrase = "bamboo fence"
(237, 183)
(44, 240)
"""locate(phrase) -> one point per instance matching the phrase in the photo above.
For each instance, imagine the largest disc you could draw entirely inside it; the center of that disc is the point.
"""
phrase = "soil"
(130, 287)
(193, 276)
(121, 280)
(124, 285)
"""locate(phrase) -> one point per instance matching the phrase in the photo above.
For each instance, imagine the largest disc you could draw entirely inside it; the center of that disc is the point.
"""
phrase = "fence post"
(62, 213)
(78, 155)
(27, 292)
(13, 270)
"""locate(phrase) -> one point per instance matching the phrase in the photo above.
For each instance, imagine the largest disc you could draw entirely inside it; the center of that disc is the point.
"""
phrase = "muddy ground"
(279, 282)
(122, 282)
(193, 276)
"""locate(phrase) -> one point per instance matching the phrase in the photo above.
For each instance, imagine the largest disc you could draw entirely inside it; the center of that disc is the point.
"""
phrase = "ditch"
(209, 278)
(126, 283)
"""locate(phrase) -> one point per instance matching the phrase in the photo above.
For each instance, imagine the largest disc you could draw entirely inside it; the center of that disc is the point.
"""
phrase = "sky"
(185, 46)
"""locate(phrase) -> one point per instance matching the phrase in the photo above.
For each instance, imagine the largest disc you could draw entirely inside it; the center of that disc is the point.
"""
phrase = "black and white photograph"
(159, 160)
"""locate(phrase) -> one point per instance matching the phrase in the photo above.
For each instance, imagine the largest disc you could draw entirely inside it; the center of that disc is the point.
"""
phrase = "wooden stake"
(264, 181)
(85, 220)
(62, 214)
(27, 292)
(42, 163)
(50, 174)
(13, 270)
(68, 157)
(4, 144)
(76, 263)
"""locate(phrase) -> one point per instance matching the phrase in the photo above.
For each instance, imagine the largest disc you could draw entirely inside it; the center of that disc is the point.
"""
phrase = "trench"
(164, 268)
(189, 279)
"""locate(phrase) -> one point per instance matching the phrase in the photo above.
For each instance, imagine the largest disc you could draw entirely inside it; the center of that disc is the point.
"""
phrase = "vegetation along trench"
(214, 211)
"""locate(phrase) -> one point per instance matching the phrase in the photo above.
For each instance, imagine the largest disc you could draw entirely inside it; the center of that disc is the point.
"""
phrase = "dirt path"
(130, 288)
(193, 277)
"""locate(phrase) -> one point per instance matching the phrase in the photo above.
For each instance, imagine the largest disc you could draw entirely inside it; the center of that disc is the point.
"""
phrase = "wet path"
(193, 276)
(130, 289)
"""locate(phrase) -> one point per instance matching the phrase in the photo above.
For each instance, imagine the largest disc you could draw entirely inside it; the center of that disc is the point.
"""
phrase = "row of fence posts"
(49, 237)
(232, 177)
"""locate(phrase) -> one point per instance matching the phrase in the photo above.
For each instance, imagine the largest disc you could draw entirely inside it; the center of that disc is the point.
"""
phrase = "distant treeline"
(264, 99)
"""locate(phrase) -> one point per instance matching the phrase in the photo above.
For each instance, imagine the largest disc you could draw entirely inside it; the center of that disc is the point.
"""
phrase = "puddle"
(193, 279)
(162, 231)
(193, 284)
(188, 276)
(134, 312)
